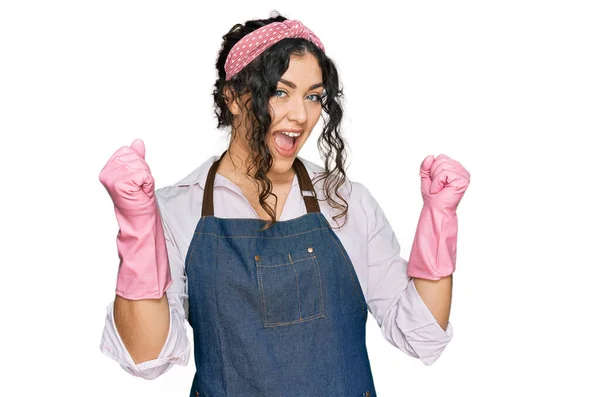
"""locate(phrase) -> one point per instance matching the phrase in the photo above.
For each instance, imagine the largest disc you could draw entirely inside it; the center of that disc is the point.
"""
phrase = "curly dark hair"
(259, 79)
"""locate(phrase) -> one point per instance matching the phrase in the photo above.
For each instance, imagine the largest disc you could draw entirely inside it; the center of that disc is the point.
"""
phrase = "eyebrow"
(292, 85)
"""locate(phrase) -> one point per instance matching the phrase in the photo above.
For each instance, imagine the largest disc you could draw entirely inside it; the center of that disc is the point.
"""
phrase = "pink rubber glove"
(144, 271)
(443, 183)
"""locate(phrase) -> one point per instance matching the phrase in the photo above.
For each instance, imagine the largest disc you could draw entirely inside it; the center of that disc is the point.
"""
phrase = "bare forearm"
(437, 295)
(143, 326)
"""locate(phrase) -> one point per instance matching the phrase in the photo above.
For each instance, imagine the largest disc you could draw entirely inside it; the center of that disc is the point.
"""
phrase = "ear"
(232, 104)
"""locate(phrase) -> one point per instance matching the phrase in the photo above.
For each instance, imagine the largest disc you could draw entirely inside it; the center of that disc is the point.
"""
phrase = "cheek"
(314, 116)
(275, 109)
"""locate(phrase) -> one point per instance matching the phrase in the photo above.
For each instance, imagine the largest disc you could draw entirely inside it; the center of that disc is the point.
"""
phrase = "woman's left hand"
(443, 182)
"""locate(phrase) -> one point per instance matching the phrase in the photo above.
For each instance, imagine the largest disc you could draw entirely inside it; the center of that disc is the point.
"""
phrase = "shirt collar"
(198, 176)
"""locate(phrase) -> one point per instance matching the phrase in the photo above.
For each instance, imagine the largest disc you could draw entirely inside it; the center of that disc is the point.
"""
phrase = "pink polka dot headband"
(256, 42)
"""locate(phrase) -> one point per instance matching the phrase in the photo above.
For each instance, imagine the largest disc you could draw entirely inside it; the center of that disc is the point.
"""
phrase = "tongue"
(284, 142)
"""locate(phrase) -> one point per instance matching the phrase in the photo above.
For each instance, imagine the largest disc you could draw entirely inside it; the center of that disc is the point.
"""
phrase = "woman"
(273, 260)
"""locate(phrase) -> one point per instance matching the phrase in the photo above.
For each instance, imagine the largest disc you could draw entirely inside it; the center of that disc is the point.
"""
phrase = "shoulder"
(194, 180)
(186, 194)
(361, 202)
(350, 189)
(180, 205)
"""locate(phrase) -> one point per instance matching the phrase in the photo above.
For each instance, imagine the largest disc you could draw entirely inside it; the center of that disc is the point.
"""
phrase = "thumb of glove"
(424, 173)
(138, 146)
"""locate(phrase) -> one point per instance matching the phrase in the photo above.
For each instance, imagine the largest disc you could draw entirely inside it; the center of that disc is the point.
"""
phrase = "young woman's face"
(295, 109)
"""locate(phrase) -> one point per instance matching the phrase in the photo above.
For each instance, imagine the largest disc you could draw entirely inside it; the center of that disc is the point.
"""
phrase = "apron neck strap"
(304, 182)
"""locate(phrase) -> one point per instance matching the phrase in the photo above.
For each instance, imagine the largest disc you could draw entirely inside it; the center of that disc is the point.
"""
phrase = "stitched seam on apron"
(320, 283)
(287, 264)
(261, 294)
(297, 287)
(195, 242)
(274, 237)
(305, 319)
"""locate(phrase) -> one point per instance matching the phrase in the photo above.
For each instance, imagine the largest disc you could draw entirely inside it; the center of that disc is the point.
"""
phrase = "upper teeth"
(292, 134)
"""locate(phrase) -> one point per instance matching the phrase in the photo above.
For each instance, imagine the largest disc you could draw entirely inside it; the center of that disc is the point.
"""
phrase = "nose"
(297, 111)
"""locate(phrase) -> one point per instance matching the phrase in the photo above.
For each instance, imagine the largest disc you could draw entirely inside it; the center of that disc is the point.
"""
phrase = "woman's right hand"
(128, 180)
(144, 269)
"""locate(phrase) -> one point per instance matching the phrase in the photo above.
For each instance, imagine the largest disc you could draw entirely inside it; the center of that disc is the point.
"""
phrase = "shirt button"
(257, 257)
(310, 249)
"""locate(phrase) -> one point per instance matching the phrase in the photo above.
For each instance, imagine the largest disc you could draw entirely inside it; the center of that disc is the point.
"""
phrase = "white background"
(510, 89)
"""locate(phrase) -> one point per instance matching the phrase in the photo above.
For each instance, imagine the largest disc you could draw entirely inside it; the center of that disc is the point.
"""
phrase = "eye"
(280, 93)
(316, 97)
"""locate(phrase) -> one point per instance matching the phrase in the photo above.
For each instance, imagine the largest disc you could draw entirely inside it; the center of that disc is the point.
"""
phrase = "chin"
(282, 165)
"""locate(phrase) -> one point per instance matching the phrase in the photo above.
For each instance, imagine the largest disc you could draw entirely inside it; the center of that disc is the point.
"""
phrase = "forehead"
(303, 70)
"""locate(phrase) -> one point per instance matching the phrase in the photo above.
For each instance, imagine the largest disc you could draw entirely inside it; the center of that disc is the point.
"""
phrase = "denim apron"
(276, 312)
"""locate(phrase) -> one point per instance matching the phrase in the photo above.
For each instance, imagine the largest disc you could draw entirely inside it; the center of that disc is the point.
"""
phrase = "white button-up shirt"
(367, 236)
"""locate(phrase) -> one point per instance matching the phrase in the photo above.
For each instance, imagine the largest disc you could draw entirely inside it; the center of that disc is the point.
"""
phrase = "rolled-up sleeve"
(405, 321)
(176, 349)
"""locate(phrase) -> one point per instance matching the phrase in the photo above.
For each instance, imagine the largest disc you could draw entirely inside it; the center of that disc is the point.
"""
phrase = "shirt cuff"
(175, 351)
(420, 328)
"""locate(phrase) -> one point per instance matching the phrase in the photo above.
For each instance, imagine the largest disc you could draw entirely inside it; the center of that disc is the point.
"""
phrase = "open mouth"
(286, 142)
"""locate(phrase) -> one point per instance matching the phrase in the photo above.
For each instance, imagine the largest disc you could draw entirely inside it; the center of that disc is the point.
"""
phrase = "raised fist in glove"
(443, 184)
(144, 266)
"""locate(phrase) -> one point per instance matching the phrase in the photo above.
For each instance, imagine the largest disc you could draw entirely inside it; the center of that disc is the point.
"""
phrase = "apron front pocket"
(290, 287)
